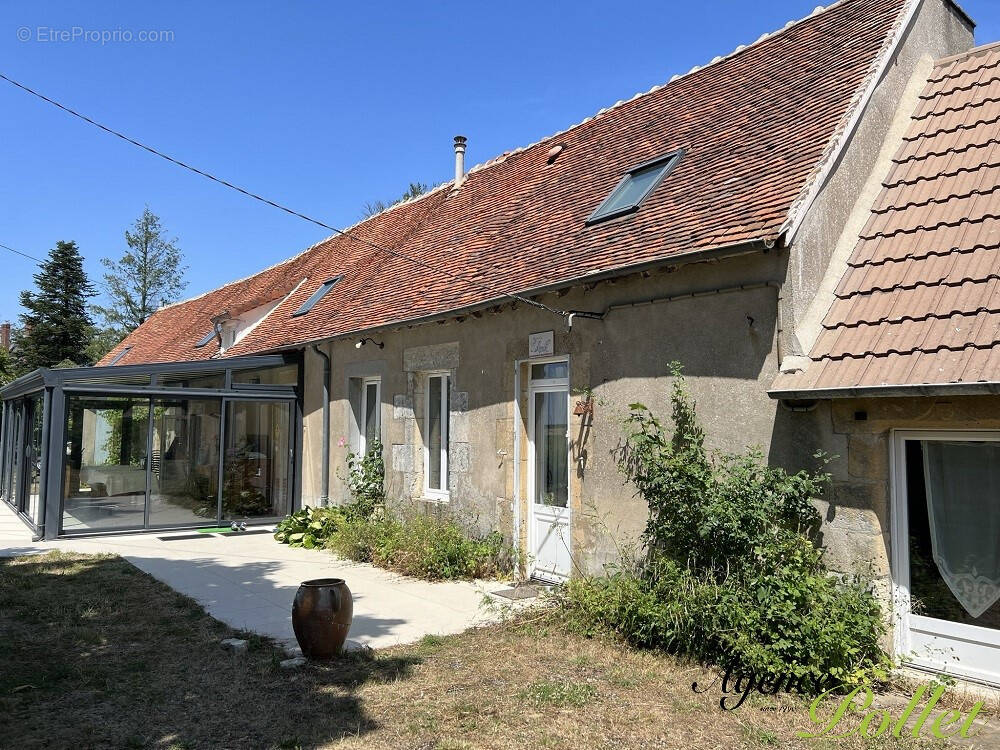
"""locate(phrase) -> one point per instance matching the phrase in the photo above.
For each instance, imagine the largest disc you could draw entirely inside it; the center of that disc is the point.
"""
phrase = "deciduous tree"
(150, 273)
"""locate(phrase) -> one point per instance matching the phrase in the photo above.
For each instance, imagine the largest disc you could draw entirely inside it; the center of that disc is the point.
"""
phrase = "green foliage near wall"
(730, 574)
(422, 546)
(366, 478)
(410, 543)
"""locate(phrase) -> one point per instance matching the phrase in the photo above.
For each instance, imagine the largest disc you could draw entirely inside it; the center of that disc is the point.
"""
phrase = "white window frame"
(548, 385)
(363, 416)
(431, 492)
(909, 627)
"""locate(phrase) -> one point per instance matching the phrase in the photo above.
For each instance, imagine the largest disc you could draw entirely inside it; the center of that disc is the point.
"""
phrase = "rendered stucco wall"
(725, 340)
(843, 204)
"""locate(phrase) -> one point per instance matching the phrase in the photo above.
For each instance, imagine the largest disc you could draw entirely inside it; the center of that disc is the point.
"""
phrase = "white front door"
(549, 470)
(946, 551)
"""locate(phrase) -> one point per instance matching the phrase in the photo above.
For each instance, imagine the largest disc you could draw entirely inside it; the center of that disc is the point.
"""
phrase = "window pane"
(17, 452)
(316, 296)
(632, 191)
(550, 370)
(256, 472)
(105, 485)
(434, 435)
(953, 496)
(371, 413)
(192, 380)
(185, 461)
(551, 448)
(283, 375)
(33, 453)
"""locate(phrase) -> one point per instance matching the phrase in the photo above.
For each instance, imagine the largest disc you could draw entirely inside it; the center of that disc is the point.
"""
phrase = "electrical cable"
(18, 252)
(255, 196)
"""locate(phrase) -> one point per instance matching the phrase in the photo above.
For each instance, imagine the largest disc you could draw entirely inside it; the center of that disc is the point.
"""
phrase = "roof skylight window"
(319, 294)
(118, 357)
(634, 187)
(208, 337)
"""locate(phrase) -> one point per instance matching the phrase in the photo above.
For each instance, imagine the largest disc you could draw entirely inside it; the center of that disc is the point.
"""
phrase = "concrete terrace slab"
(249, 582)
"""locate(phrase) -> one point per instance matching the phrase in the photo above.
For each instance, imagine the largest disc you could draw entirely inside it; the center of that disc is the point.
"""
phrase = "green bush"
(413, 544)
(308, 527)
(366, 479)
(730, 574)
(422, 546)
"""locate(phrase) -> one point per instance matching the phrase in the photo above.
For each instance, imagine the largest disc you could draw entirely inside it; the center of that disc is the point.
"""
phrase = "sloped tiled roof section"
(755, 127)
(919, 304)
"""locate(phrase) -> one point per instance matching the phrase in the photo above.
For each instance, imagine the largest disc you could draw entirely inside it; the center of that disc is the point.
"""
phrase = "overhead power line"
(280, 207)
(18, 252)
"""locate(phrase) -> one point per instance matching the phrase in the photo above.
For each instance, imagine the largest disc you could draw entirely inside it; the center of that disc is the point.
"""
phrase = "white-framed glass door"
(549, 521)
(946, 550)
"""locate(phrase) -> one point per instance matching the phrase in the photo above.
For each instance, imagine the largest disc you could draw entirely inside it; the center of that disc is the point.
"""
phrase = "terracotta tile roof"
(756, 126)
(919, 303)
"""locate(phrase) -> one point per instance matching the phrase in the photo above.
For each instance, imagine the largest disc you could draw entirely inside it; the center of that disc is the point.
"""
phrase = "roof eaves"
(991, 387)
(980, 50)
(850, 121)
(743, 247)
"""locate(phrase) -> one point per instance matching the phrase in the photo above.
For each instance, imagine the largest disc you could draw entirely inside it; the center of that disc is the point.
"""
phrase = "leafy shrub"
(366, 479)
(308, 527)
(730, 574)
(413, 544)
(422, 546)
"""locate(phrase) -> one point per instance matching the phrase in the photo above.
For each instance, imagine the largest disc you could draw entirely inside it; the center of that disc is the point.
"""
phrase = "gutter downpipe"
(324, 497)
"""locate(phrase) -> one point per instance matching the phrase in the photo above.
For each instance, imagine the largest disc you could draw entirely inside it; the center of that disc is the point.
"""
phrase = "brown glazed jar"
(321, 617)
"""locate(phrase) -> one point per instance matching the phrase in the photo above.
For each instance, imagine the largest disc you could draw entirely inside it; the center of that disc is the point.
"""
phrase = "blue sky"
(321, 106)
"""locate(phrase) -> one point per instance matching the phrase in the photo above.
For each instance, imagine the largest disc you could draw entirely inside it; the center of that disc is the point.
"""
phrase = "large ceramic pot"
(321, 617)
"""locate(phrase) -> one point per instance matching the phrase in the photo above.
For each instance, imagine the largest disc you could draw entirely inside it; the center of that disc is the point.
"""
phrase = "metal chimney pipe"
(460, 141)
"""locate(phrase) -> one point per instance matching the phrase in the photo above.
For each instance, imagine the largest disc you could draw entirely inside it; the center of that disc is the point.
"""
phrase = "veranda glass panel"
(185, 461)
(257, 462)
(551, 448)
(105, 476)
(193, 380)
(285, 375)
(33, 454)
(16, 453)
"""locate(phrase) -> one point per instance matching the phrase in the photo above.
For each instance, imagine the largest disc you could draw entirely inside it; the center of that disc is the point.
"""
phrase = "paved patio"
(249, 581)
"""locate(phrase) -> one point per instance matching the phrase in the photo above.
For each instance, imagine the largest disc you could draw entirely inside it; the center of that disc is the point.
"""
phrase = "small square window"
(634, 187)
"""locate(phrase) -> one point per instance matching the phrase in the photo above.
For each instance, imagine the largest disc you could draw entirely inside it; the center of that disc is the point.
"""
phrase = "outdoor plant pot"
(321, 616)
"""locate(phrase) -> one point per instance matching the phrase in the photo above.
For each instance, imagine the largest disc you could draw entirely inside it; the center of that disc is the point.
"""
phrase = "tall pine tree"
(55, 325)
(148, 274)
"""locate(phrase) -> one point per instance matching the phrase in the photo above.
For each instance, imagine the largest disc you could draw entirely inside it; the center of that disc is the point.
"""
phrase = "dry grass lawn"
(96, 654)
